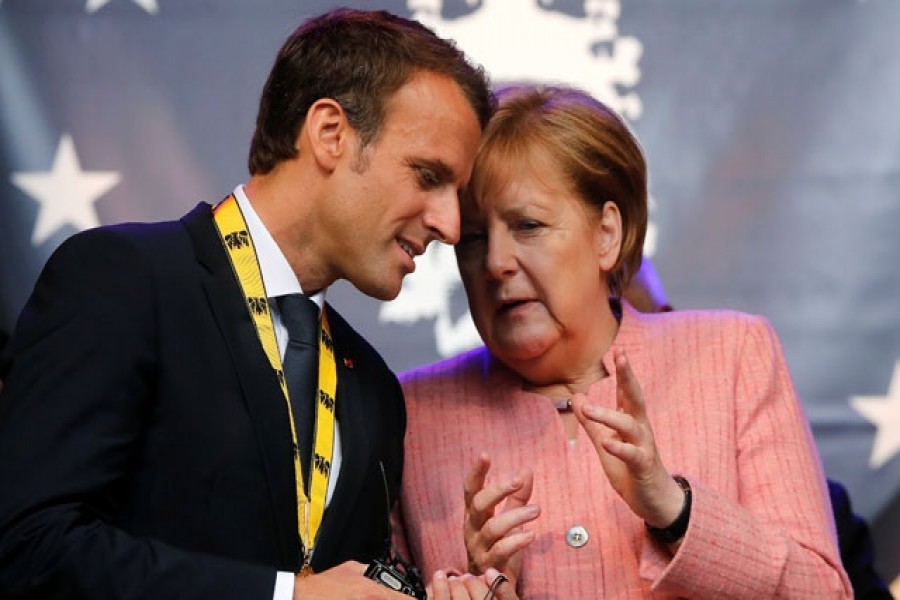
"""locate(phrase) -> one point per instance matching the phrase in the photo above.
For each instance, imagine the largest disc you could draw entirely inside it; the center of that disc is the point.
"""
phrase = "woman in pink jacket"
(590, 451)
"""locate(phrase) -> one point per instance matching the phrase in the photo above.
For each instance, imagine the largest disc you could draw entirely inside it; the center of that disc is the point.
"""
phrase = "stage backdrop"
(771, 128)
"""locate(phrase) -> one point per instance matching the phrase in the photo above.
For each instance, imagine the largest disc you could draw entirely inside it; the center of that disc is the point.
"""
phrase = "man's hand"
(347, 580)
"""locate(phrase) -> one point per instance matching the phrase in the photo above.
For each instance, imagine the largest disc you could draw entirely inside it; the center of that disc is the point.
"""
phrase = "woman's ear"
(326, 133)
(608, 236)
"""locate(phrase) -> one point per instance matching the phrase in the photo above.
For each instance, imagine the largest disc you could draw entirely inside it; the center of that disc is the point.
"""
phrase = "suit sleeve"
(79, 390)
(778, 540)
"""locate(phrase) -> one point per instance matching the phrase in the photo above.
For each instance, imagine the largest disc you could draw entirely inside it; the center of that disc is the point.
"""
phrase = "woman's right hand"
(495, 538)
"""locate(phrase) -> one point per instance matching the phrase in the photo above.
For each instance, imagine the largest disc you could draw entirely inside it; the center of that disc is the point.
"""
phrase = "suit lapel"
(265, 404)
(262, 395)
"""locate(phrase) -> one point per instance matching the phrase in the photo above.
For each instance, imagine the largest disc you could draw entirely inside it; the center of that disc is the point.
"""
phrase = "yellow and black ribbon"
(238, 244)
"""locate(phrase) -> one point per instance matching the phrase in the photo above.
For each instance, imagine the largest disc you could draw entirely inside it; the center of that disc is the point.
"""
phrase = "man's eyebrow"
(441, 169)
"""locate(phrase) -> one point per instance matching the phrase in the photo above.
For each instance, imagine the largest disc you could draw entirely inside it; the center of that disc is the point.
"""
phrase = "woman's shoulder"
(694, 318)
(455, 383)
(473, 363)
(719, 326)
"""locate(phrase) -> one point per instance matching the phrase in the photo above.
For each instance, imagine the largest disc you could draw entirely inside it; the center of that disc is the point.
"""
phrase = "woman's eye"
(528, 225)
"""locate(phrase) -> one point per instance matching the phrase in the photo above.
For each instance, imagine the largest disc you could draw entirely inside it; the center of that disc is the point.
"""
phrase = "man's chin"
(380, 290)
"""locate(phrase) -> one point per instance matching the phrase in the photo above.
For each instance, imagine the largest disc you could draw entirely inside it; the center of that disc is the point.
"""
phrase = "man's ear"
(608, 235)
(326, 133)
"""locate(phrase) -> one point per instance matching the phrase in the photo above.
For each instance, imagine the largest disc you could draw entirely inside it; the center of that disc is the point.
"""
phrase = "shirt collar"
(279, 278)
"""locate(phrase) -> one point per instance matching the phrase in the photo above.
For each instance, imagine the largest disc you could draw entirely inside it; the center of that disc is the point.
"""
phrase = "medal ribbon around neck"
(237, 242)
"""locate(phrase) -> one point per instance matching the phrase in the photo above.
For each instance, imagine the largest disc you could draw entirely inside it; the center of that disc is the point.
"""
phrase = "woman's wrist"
(675, 528)
(666, 505)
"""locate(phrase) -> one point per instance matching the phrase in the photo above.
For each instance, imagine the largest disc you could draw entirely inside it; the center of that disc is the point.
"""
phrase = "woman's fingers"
(629, 396)
(502, 552)
(521, 496)
(494, 536)
(621, 423)
(502, 587)
(474, 481)
(631, 455)
(507, 522)
(485, 501)
(493, 585)
(440, 587)
(500, 537)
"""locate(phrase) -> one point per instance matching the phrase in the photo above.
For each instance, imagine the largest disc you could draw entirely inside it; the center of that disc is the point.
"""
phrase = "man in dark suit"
(146, 444)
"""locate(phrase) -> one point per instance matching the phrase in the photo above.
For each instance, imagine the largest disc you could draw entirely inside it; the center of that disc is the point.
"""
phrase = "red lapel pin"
(348, 362)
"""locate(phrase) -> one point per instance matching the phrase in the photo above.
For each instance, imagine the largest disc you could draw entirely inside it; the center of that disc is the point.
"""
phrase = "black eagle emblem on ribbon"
(327, 400)
(258, 305)
(321, 465)
(237, 239)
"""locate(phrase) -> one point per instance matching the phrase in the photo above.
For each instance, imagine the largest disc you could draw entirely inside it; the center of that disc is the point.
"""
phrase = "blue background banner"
(770, 127)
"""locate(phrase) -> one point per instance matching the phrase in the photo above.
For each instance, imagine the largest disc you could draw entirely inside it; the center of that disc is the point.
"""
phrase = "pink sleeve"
(778, 541)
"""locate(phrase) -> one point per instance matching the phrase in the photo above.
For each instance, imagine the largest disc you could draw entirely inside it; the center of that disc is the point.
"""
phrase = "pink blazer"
(725, 416)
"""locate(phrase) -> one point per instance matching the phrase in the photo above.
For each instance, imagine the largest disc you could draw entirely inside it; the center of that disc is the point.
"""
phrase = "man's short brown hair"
(358, 58)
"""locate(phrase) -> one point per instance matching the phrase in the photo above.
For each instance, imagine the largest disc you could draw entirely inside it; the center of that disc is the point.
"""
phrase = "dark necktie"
(300, 316)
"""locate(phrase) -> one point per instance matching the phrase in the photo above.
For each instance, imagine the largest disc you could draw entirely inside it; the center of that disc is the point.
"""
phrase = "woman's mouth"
(513, 306)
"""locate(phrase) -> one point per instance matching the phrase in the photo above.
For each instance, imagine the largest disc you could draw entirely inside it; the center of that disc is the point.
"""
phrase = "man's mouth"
(408, 248)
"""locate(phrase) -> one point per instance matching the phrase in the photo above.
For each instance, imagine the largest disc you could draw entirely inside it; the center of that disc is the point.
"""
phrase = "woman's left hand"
(495, 515)
(627, 449)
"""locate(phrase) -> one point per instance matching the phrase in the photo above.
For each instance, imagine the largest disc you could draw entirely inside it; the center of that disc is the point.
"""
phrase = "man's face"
(402, 191)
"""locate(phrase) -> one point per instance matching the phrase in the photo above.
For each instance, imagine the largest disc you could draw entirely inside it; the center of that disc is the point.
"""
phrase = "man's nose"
(442, 217)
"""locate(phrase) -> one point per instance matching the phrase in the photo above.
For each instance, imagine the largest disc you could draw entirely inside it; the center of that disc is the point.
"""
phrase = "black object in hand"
(398, 575)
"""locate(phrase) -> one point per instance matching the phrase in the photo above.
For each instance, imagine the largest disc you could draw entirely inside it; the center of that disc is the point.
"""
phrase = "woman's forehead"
(502, 167)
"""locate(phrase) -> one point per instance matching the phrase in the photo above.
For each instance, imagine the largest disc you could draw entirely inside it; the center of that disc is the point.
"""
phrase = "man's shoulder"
(156, 235)
(100, 260)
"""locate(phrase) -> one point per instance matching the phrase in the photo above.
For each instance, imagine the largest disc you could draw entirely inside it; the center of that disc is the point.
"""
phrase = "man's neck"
(288, 220)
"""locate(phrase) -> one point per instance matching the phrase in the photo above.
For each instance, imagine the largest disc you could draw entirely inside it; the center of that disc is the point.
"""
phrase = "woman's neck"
(565, 386)
(572, 367)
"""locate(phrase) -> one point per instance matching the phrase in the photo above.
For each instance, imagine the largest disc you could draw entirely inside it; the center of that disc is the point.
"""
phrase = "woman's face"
(532, 257)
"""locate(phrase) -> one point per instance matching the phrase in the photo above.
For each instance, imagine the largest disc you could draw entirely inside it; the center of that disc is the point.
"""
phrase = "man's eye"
(427, 177)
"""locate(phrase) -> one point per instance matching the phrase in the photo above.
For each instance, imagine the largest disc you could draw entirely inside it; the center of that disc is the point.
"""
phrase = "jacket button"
(577, 536)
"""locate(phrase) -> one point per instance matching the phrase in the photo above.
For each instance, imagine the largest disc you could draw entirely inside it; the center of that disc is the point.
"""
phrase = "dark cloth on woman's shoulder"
(855, 545)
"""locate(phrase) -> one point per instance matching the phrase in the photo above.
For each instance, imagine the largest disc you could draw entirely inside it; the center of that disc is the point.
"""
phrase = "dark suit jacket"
(144, 442)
